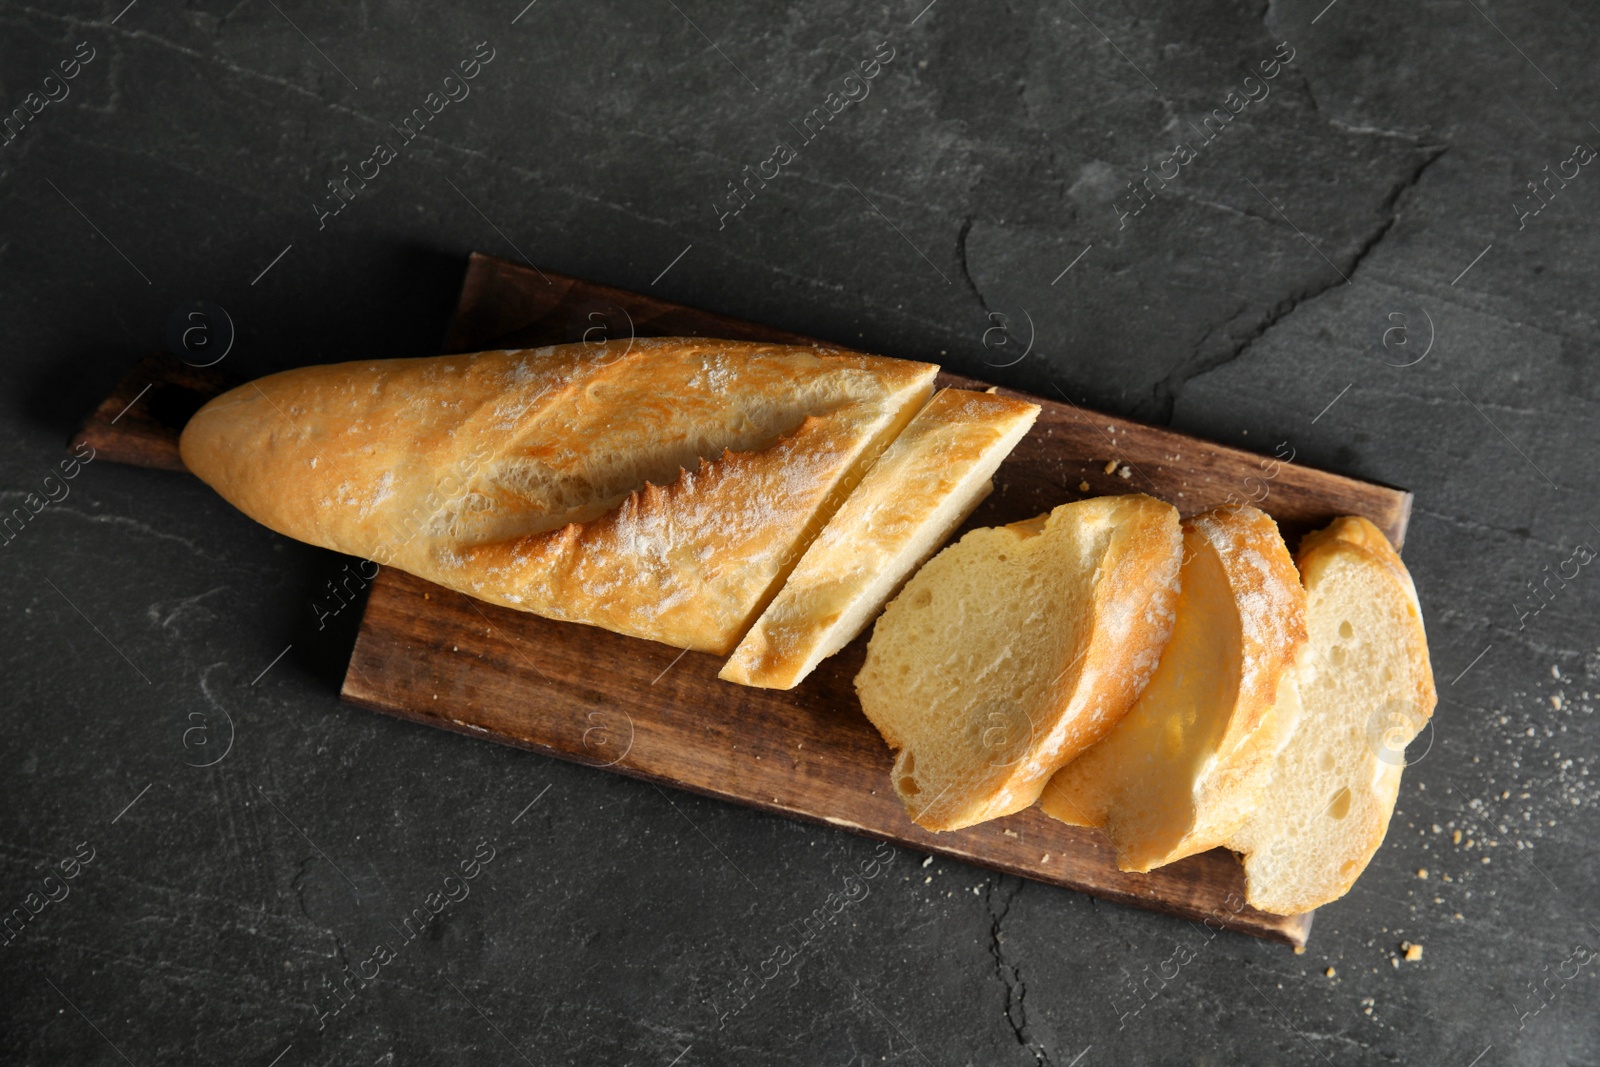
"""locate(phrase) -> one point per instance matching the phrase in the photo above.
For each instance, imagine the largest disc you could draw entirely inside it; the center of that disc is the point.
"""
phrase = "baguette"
(923, 486)
(1015, 649)
(658, 488)
(1365, 690)
(1186, 767)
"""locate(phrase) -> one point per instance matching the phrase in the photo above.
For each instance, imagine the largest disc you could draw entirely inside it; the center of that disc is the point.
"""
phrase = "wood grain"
(638, 708)
(646, 710)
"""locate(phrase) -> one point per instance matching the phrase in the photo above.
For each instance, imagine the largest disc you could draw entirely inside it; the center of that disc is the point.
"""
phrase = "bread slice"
(1185, 768)
(660, 488)
(1017, 648)
(923, 486)
(1365, 690)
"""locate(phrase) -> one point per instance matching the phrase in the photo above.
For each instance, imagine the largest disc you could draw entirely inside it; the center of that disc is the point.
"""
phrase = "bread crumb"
(1125, 472)
(1299, 950)
(1045, 858)
(1555, 701)
(1111, 465)
(927, 880)
(1083, 487)
(1394, 961)
(1422, 872)
(927, 861)
(1009, 833)
(1413, 952)
(1456, 837)
(1330, 972)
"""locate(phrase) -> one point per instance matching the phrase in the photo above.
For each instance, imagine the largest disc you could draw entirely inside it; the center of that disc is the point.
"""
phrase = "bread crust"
(581, 482)
(1272, 611)
(952, 446)
(1106, 657)
(1349, 541)
(1226, 779)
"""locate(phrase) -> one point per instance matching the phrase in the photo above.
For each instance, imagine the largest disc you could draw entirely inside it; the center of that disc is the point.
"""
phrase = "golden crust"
(871, 544)
(1131, 622)
(1351, 540)
(655, 487)
(1105, 658)
(1355, 530)
(1267, 622)
(1272, 612)
(1127, 629)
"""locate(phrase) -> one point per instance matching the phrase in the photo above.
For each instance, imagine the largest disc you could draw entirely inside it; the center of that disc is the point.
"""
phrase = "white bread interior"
(920, 489)
(660, 488)
(1185, 768)
(1365, 690)
(1015, 649)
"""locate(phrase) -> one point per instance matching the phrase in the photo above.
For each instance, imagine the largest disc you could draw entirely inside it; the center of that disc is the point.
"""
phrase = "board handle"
(141, 421)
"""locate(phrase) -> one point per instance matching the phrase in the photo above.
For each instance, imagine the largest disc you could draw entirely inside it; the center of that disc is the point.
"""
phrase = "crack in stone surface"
(1165, 392)
(961, 259)
(1010, 975)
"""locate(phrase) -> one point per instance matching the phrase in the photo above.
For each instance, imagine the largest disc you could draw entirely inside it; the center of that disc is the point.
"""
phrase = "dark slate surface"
(616, 923)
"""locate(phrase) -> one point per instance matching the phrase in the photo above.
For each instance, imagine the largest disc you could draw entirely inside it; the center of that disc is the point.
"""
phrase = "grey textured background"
(614, 924)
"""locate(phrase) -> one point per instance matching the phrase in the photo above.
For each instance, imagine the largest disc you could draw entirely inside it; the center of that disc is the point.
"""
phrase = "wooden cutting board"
(642, 709)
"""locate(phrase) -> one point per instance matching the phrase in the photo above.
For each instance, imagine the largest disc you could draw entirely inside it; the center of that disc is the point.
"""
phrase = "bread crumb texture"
(1015, 649)
(1366, 689)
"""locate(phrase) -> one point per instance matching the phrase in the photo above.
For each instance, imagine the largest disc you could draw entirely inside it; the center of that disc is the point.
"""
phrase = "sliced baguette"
(1365, 690)
(923, 486)
(1017, 648)
(1185, 768)
(659, 488)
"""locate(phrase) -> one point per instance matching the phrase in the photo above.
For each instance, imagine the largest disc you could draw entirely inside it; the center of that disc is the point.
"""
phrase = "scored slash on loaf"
(663, 489)
(658, 488)
(913, 498)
